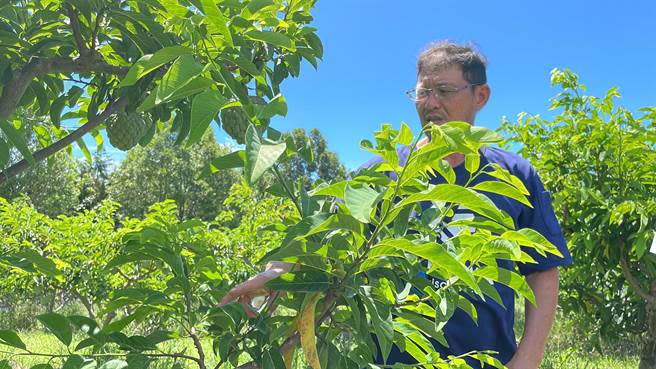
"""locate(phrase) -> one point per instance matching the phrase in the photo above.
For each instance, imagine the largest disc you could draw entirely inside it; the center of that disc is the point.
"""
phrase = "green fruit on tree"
(124, 130)
(235, 121)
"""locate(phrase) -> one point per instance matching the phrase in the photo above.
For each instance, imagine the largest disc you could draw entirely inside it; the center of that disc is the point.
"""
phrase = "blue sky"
(370, 48)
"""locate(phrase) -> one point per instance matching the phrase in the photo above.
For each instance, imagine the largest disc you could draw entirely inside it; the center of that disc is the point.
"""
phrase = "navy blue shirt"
(495, 322)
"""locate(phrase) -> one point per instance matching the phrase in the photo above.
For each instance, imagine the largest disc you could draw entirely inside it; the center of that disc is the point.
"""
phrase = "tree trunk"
(648, 354)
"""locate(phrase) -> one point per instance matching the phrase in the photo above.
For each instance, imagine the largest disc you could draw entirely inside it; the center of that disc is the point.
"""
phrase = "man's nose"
(431, 102)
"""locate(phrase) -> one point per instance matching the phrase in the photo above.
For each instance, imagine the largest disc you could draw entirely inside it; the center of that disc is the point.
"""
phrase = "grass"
(565, 350)
(566, 347)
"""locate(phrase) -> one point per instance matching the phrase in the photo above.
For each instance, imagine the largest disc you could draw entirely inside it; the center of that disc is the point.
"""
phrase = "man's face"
(461, 105)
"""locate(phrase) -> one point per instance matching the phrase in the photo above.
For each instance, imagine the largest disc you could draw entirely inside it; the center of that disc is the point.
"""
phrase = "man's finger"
(272, 301)
(229, 297)
(246, 304)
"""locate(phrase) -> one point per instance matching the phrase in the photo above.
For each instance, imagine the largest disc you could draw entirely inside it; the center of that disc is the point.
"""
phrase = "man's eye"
(423, 93)
(445, 90)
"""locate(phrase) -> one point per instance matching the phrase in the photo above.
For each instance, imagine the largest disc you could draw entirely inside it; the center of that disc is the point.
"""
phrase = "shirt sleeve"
(542, 219)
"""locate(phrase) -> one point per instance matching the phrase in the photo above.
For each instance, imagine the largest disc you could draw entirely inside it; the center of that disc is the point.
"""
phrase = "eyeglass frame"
(411, 92)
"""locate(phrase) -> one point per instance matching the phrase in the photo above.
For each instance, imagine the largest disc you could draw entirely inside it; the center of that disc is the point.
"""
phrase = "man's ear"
(481, 96)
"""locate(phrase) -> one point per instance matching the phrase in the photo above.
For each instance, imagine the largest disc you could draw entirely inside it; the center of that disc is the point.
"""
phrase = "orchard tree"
(358, 248)
(57, 177)
(599, 162)
(316, 162)
(94, 177)
(52, 187)
(248, 225)
(136, 67)
(70, 251)
(165, 170)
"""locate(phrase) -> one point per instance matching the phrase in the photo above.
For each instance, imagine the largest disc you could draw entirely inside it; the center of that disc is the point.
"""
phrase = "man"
(452, 86)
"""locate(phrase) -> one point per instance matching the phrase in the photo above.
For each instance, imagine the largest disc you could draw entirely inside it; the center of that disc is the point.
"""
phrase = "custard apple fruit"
(124, 130)
(235, 121)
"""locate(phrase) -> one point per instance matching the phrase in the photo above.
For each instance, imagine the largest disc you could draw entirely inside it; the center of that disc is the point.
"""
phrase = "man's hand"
(246, 291)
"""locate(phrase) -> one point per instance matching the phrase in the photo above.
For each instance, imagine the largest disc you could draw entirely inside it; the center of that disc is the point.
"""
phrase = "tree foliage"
(179, 62)
(57, 177)
(316, 162)
(163, 170)
(358, 251)
(599, 161)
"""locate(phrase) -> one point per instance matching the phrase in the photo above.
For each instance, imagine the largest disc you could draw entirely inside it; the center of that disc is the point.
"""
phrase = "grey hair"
(440, 54)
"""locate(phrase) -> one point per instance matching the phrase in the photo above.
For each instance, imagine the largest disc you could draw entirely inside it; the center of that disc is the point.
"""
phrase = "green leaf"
(434, 253)
(73, 362)
(336, 221)
(273, 38)
(360, 201)
(503, 189)
(216, 21)
(472, 163)
(4, 364)
(276, 106)
(17, 139)
(10, 338)
(508, 278)
(405, 135)
(36, 261)
(259, 157)
(462, 196)
(58, 325)
(424, 324)
(204, 109)
(382, 323)
(255, 5)
(114, 364)
(233, 160)
(85, 150)
(489, 290)
(505, 246)
(41, 366)
(183, 70)
(505, 176)
(468, 307)
(479, 223)
(56, 109)
(302, 281)
(43, 135)
(532, 238)
(150, 62)
(315, 43)
(137, 361)
(4, 152)
(336, 189)
(446, 171)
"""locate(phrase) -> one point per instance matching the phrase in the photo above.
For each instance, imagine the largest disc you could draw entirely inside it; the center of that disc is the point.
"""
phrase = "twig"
(61, 144)
(30, 353)
(77, 30)
(81, 81)
(633, 283)
(199, 348)
(94, 34)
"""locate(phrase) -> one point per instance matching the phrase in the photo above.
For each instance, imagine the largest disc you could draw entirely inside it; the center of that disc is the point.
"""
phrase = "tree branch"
(61, 144)
(293, 340)
(630, 279)
(94, 34)
(87, 304)
(199, 348)
(77, 31)
(117, 354)
(36, 67)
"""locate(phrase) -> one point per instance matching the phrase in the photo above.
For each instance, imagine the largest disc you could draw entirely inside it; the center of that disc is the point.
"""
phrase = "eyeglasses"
(444, 92)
